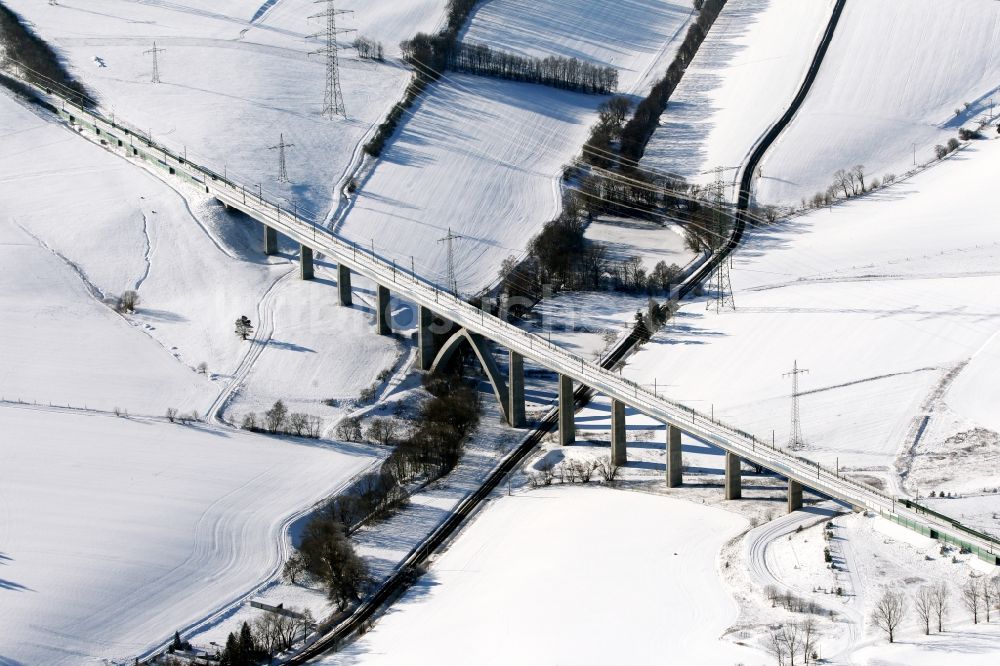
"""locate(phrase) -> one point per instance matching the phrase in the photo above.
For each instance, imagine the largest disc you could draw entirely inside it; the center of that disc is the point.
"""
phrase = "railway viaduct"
(477, 328)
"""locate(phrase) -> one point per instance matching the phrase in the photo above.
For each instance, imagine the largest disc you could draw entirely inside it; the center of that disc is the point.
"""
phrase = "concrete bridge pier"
(515, 388)
(306, 269)
(794, 495)
(270, 240)
(567, 411)
(734, 476)
(675, 476)
(425, 338)
(619, 455)
(344, 285)
(383, 311)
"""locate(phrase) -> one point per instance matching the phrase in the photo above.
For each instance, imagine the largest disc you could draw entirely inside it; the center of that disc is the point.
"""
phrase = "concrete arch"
(480, 346)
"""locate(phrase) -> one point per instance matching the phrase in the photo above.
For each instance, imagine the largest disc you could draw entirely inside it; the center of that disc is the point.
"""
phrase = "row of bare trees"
(566, 73)
(369, 49)
(787, 642)
(278, 421)
(640, 128)
(932, 604)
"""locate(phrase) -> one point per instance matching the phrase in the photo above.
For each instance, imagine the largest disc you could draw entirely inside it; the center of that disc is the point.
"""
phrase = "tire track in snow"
(260, 340)
(760, 565)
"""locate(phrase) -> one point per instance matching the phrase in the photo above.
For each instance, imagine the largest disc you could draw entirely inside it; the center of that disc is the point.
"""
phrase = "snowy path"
(260, 340)
(758, 556)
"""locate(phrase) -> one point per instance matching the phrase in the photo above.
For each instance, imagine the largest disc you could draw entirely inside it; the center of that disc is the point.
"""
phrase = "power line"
(282, 168)
(795, 439)
(333, 96)
(156, 61)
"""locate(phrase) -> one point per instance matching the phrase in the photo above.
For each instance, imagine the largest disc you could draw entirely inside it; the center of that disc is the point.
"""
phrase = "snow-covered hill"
(881, 299)
(894, 77)
(484, 157)
(741, 81)
(118, 531)
(232, 85)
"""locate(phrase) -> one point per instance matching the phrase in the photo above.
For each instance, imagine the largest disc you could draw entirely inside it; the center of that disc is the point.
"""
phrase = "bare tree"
(775, 645)
(171, 414)
(923, 603)
(349, 429)
(859, 174)
(128, 301)
(275, 417)
(382, 431)
(294, 567)
(889, 612)
(941, 603)
(972, 598)
(791, 636)
(608, 470)
(809, 631)
(988, 590)
(297, 423)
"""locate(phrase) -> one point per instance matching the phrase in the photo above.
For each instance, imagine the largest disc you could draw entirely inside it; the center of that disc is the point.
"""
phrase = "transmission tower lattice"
(156, 61)
(333, 97)
(720, 282)
(795, 439)
(282, 167)
(452, 279)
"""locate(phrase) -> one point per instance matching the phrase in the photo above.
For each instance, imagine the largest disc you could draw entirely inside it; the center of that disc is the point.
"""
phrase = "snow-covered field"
(651, 241)
(603, 32)
(99, 226)
(542, 577)
(870, 555)
(232, 83)
(879, 299)
(178, 521)
(894, 76)
(741, 81)
(479, 156)
(483, 157)
(119, 531)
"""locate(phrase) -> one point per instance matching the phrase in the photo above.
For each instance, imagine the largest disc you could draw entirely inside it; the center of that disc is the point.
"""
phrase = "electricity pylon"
(795, 439)
(719, 281)
(156, 61)
(452, 279)
(722, 288)
(282, 168)
(333, 97)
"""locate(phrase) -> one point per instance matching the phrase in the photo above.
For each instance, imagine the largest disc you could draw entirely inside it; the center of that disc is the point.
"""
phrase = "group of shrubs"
(574, 471)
